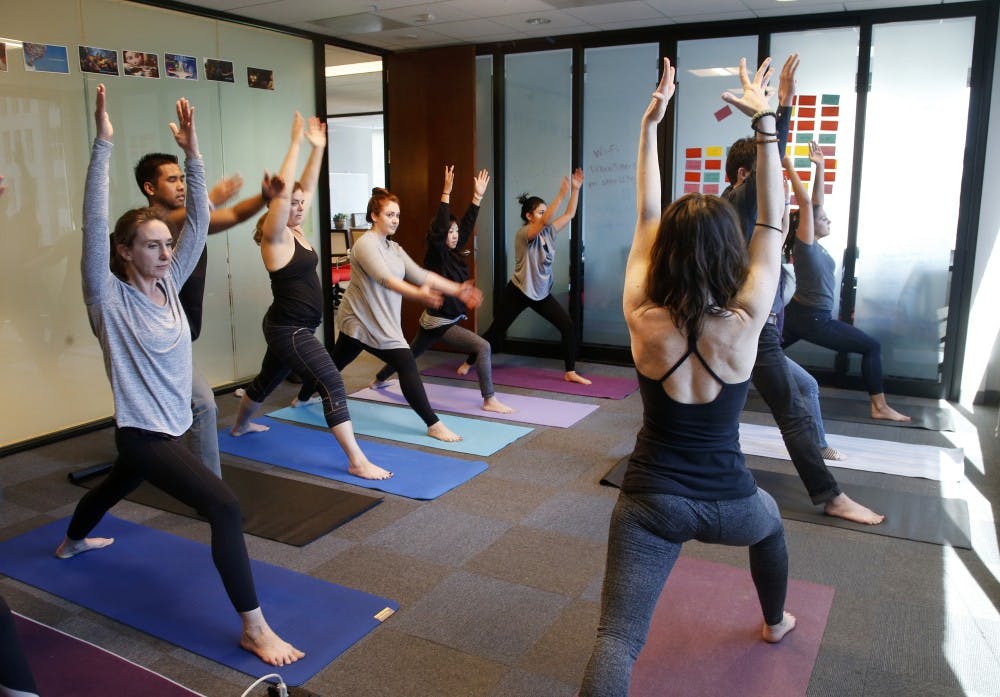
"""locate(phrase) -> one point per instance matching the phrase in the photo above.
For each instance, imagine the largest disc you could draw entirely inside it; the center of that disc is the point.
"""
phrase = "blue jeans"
(646, 534)
(809, 389)
(773, 379)
(203, 437)
(818, 327)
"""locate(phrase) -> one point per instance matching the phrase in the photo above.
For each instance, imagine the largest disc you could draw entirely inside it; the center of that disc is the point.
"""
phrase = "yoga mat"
(479, 437)
(416, 474)
(463, 400)
(168, 587)
(65, 665)
(277, 508)
(907, 515)
(544, 379)
(866, 454)
(705, 637)
(859, 411)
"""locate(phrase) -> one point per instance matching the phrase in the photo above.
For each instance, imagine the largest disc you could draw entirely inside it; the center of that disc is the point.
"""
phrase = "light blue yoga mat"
(416, 474)
(401, 424)
(167, 586)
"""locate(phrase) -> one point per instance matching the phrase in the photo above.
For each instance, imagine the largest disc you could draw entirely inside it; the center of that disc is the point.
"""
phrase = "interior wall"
(50, 362)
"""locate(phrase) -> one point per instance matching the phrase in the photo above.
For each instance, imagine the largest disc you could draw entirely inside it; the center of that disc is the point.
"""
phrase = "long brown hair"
(124, 234)
(698, 262)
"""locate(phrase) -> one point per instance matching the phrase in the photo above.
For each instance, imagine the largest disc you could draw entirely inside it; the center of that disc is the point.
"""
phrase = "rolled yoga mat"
(65, 665)
(859, 411)
(464, 400)
(482, 438)
(705, 636)
(545, 379)
(167, 586)
(277, 508)
(416, 474)
(907, 515)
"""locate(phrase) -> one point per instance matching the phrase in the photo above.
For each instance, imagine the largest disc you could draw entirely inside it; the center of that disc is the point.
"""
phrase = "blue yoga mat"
(168, 587)
(402, 424)
(415, 474)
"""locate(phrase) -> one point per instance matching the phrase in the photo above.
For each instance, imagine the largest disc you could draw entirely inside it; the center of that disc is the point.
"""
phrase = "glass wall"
(357, 161)
(483, 241)
(618, 82)
(911, 179)
(538, 152)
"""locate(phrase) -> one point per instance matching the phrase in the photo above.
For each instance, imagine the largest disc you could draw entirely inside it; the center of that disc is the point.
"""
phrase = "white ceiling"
(399, 25)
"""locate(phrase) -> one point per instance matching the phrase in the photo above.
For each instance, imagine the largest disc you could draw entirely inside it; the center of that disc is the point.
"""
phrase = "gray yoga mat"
(859, 411)
(907, 515)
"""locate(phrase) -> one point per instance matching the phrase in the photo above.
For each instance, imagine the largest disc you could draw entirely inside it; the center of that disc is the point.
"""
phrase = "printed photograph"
(260, 78)
(45, 58)
(3, 57)
(102, 61)
(140, 64)
(181, 67)
(219, 70)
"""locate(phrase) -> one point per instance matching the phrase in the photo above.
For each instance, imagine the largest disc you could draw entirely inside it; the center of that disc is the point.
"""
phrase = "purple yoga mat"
(544, 379)
(465, 400)
(65, 665)
(705, 637)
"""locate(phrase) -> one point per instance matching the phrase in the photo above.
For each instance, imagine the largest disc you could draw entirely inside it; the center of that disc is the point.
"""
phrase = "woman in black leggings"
(291, 321)
(136, 315)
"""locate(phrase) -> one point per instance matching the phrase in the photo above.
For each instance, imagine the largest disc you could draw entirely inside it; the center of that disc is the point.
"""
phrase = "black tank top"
(690, 450)
(298, 297)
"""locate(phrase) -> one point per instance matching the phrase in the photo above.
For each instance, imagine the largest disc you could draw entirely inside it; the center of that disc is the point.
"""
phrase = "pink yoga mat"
(465, 400)
(705, 637)
(544, 379)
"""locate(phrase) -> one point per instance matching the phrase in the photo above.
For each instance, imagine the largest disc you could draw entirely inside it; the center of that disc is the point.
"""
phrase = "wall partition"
(49, 359)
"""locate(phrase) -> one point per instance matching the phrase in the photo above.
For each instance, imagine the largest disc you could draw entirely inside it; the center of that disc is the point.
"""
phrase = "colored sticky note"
(723, 113)
(690, 188)
(828, 188)
(804, 137)
(711, 177)
(827, 138)
(831, 99)
(807, 100)
(828, 150)
(713, 164)
(802, 162)
(806, 112)
(713, 151)
(831, 111)
(692, 152)
(806, 126)
(830, 164)
(692, 176)
(828, 125)
(712, 189)
(829, 176)
(805, 175)
(692, 164)
(801, 151)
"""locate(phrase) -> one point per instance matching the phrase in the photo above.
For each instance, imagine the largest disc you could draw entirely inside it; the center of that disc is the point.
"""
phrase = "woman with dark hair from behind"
(695, 300)
(531, 285)
(446, 240)
(136, 314)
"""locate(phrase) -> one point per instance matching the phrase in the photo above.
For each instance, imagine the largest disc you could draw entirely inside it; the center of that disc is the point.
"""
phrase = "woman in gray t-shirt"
(531, 285)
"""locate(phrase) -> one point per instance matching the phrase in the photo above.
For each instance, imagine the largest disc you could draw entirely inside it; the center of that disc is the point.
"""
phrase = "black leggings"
(512, 303)
(402, 361)
(164, 462)
(298, 349)
(15, 673)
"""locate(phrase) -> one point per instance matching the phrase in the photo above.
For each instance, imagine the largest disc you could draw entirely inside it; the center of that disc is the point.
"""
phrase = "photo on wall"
(219, 70)
(260, 78)
(3, 57)
(181, 67)
(102, 61)
(140, 64)
(45, 58)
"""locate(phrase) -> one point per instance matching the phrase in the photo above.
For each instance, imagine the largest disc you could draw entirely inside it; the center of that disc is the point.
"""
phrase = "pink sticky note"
(723, 113)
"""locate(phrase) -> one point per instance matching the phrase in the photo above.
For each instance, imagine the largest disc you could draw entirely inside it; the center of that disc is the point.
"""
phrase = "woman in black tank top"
(695, 300)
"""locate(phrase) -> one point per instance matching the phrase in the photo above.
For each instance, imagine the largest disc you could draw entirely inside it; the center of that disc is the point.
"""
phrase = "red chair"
(339, 273)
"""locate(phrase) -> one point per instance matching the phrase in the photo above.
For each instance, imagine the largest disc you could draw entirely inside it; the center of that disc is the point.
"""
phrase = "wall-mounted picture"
(102, 61)
(181, 67)
(260, 78)
(219, 70)
(45, 58)
(3, 57)
(140, 64)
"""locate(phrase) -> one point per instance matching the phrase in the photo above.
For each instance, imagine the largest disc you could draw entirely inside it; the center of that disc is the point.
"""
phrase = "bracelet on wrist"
(766, 140)
(759, 115)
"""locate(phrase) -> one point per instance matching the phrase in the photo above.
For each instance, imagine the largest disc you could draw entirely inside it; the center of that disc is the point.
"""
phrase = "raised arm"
(275, 225)
(191, 241)
(757, 293)
(805, 232)
(94, 268)
(819, 162)
(437, 235)
(316, 135)
(575, 183)
(468, 223)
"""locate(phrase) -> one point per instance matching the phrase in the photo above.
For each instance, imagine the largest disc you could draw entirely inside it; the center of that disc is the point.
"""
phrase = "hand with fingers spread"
(479, 184)
(225, 189)
(661, 95)
(271, 186)
(104, 128)
(576, 181)
(316, 132)
(754, 98)
(816, 155)
(787, 86)
(184, 131)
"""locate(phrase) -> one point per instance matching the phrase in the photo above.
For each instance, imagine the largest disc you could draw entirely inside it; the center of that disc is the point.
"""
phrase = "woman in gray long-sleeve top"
(137, 317)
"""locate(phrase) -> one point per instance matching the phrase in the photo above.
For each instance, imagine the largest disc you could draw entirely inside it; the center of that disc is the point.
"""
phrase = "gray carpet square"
(523, 684)
(482, 616)
(576, 514)
(401, 577)
(11, 513)
(542, 559)
(449, 537)
(377, 518)
(500, 499)
(563, 651)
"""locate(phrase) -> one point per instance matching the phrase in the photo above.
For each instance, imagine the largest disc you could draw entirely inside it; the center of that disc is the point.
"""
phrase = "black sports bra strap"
(708, 368)
(693, 348)
(678, 364)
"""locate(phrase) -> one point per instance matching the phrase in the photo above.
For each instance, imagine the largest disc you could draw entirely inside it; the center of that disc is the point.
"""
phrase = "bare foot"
(377, 384)
(571, 376)
(70, 548)
(296, 402)
(269, 647)
(888, 413)
(464, 369)
(442, 432)
(494, 404)
(832, 454)
(773, 633)
(368, 470)
(248, 427)
(842, 506)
